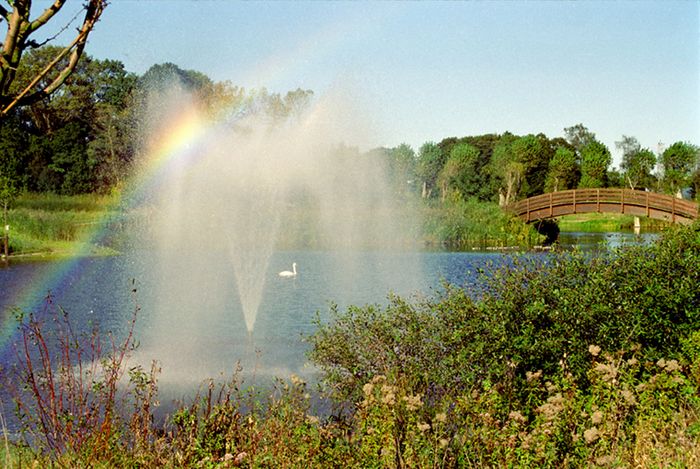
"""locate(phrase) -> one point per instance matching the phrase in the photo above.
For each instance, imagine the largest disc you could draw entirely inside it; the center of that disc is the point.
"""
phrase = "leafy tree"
(461, 171)
(677, 162)
(402, 168)
(578, 136)
(563, 172)
(506, 172)
(615, 178)
(13, 150)
(595, 159)
(80, 138)
(519, 166)
(18, 40)
(533, 153)
(637, 163)
(430, 162)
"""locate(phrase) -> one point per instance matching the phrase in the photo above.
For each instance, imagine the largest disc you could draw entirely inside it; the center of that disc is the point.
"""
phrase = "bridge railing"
(545, 205)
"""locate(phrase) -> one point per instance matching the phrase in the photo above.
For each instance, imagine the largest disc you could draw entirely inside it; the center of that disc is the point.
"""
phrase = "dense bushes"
(538, 312)
(562, 360)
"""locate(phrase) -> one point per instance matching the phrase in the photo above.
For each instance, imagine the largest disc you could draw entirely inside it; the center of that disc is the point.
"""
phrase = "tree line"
(507, 167)
(85, 137)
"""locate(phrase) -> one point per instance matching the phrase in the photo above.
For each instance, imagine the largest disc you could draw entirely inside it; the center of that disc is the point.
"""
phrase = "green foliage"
(430, 162)
(533, 153)
(595, 159)
(48, 223)
(461, 224)
(637, 163)
(678, 162)
(534, 314)
(563, 172)
(460, 172)
(578, 136)
(563, 361)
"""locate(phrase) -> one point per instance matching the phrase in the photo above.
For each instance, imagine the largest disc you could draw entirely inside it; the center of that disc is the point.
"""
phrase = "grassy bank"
(48, 225)
(578, 362)
(607, 222)
(460, 224)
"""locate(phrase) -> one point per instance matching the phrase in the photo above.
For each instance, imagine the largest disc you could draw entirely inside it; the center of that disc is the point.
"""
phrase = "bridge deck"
(623, 201)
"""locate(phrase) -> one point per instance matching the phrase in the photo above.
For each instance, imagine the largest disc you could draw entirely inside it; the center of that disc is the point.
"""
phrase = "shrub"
(537, 312)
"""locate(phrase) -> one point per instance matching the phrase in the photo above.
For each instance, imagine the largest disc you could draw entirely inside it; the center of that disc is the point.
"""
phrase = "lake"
(199, 332)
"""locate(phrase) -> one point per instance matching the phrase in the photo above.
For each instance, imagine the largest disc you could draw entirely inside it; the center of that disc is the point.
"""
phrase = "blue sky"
(427, 70)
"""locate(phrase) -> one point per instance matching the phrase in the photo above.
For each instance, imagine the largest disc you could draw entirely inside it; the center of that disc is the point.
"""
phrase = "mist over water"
(223, 203)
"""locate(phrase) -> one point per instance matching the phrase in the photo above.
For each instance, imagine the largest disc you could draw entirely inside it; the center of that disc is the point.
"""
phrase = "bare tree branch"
(19, 29)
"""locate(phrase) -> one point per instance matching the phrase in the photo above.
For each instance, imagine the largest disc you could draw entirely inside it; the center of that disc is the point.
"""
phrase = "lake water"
(205, 337)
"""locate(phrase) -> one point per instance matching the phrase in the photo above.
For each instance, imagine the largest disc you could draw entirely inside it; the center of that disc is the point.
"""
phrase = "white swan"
(286, 273)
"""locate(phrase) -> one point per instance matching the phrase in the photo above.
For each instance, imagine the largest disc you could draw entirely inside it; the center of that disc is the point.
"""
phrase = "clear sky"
(428, 70)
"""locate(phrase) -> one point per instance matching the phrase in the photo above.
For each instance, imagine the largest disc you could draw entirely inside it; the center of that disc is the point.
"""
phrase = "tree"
(595, 159)
(461, 171)
(532, 152)
(430, 162)
(637, 163)
(81, 138)
(563, 171)
(578, 137)
(18, 40)
(402, 168)
(677, 162)
(506, 172)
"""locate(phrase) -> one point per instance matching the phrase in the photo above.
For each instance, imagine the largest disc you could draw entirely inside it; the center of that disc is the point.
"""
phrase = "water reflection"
(603, 241)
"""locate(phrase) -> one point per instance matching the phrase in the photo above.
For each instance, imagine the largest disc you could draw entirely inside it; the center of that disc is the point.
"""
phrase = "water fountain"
(223, 199)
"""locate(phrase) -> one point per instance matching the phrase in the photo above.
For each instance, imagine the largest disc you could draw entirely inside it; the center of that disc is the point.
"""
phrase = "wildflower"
(628, 396)
(378, 379)
(296, 381)
(672, 365)
(368, 388)
(530, 377)
(591, 434)
(443, 442)
(556, 399)
(661, 363)
(632, 361)
(516, 416)
(441, 417)
(413, 402)
(594, 350)
(596, 417)
(388, 396)
(424, 427)
(608, 372)
(550, 387)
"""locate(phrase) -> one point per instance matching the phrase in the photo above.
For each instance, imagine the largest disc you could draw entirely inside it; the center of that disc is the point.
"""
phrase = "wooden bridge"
(623, 201)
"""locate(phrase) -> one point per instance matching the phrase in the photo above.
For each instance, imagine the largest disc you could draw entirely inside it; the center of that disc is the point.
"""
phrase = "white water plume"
(231, 197)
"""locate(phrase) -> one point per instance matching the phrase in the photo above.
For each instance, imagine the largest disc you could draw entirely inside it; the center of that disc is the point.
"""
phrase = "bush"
(537, 312)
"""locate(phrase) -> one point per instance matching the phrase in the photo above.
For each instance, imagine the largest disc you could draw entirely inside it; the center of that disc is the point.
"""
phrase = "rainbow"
(168, 146)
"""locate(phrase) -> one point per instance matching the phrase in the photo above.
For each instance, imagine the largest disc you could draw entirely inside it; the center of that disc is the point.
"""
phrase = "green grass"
(604, 222)
(48, 225)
